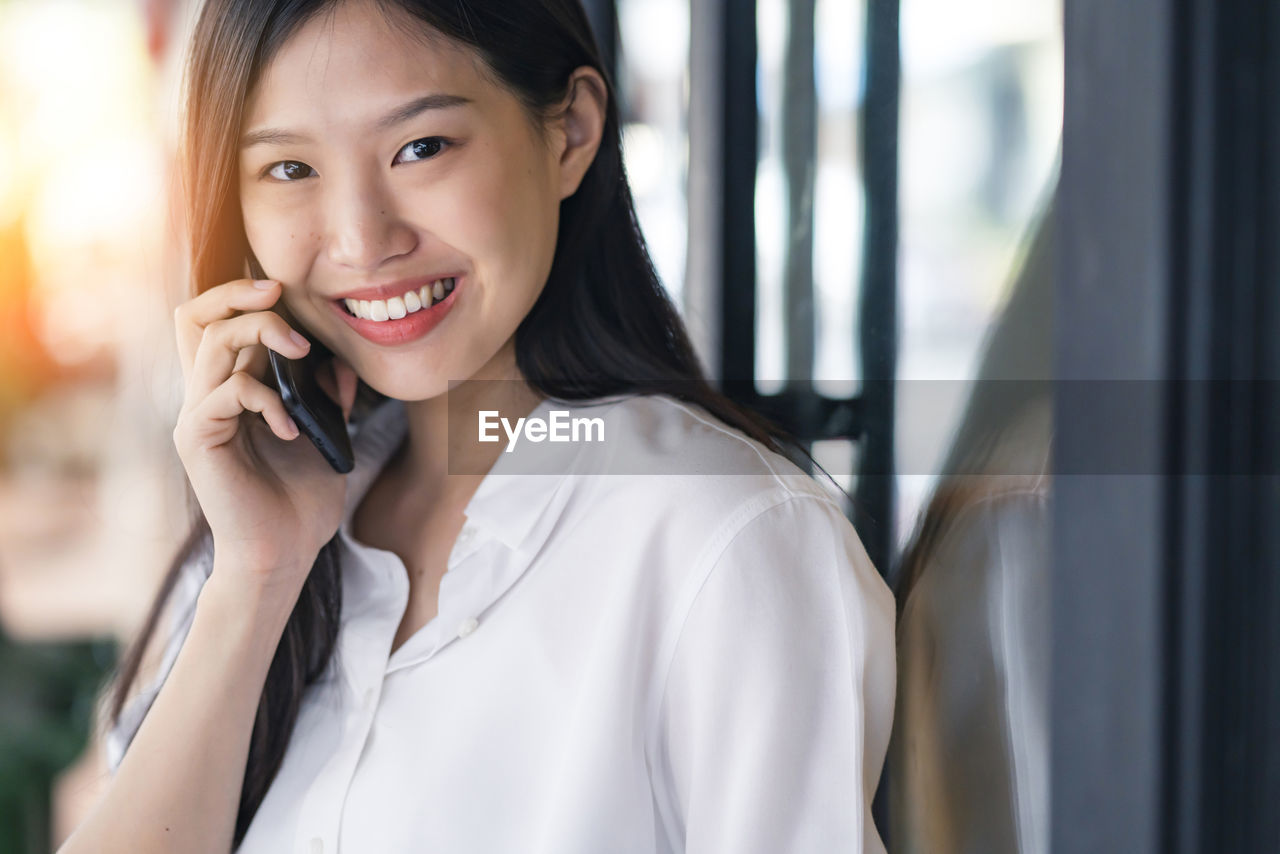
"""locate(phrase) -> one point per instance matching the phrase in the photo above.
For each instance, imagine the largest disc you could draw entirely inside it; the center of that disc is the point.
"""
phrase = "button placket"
(326, 804)
(321, 813)
(463, 546)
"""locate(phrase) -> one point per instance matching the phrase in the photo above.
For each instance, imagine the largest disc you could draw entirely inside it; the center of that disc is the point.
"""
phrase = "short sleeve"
(779, 697)
(180, 611)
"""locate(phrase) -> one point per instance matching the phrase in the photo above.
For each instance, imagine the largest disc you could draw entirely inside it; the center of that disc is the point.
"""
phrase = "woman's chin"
(407, 389)
(405, 377)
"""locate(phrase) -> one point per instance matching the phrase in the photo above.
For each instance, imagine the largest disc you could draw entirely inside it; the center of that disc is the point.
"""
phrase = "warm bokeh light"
(76, 124)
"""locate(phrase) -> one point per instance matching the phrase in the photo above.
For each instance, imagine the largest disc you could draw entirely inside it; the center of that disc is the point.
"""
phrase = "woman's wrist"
(236, 596)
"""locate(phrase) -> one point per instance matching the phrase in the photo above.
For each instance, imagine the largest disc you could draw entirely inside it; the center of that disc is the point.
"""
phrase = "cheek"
(510, 211)
(282, 240)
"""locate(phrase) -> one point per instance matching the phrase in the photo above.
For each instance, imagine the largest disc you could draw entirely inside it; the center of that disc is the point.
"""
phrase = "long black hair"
(602, 326)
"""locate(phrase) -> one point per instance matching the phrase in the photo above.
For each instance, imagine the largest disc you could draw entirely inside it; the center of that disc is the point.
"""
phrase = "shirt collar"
(515, 501)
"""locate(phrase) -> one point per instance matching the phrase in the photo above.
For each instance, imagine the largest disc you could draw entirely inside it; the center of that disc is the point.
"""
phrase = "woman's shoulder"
(681, 476)
(648, 435)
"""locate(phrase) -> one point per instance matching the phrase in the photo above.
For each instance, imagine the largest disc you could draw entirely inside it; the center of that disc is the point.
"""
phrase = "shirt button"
(317, 845)
(468, 626)
(467, 534)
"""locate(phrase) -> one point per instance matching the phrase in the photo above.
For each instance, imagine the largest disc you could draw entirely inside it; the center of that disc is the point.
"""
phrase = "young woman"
(457, 648)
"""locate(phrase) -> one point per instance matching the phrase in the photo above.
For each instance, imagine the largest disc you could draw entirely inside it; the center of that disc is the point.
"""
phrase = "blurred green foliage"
(47, 695)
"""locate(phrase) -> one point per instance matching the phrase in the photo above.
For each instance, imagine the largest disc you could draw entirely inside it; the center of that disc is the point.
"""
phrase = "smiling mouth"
(395, 308)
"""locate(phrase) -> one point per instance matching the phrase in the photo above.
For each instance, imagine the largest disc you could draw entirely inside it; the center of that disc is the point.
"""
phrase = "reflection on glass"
(969, 758)
(838, 197)
(981, 115)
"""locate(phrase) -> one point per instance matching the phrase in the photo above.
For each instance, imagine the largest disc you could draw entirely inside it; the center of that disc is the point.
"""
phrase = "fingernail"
(293, 427)
(264, 284)
(298, 339)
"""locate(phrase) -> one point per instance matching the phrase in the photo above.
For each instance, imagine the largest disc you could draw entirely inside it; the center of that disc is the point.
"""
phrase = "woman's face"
(376, 163)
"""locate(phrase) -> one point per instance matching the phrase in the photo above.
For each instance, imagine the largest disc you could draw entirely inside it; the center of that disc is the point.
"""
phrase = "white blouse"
(701, 661)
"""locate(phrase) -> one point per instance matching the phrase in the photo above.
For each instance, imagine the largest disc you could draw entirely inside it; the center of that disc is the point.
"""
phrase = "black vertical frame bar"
(874, 501)
(874, 497)
(740, 154)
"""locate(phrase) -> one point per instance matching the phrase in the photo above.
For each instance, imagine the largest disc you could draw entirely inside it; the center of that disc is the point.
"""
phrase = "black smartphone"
(317, 415)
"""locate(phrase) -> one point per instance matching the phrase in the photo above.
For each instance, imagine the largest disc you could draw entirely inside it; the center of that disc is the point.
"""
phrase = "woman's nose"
(365, 228)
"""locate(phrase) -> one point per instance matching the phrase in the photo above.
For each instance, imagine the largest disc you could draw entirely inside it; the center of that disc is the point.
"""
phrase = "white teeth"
(397, 307)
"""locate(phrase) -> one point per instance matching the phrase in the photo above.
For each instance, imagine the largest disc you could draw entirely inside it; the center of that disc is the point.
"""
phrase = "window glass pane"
(981, 115)
(838, 196)
(771, 196)
(980, 119)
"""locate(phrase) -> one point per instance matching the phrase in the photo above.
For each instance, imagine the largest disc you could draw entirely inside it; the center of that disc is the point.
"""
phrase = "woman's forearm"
(178, 786)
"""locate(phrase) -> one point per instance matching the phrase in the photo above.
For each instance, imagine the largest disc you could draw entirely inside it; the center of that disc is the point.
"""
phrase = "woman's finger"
(224, 339)
(216, 419)
(253, 361)
(217, 303)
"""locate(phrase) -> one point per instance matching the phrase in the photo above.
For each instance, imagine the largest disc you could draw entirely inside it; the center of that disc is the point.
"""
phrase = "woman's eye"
(420, 149)
(289, 170)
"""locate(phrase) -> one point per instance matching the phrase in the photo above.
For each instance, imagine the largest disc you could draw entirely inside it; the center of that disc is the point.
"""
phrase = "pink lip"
(408, 328)
(397, 289)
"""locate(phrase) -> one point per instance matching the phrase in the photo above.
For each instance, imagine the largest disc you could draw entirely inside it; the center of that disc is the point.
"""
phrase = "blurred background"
(968, 103)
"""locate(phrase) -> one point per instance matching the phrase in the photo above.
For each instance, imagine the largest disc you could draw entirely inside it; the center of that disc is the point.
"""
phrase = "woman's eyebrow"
(419, 105)
(279, 136)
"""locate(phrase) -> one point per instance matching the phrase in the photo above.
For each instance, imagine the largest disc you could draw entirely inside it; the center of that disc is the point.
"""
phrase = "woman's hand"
(271, 499)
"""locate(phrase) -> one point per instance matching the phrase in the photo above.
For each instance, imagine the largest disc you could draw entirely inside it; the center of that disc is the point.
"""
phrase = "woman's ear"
(582, 123)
